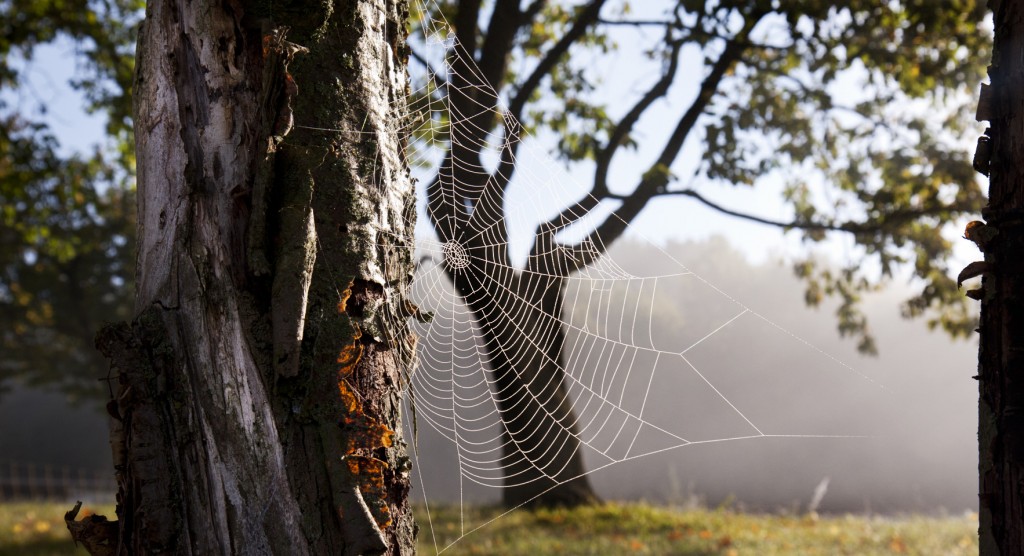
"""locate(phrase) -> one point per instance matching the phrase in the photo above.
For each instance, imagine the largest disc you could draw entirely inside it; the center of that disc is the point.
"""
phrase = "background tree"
(67, 227)
(1001, 239)
(775, 101)
(256, 404)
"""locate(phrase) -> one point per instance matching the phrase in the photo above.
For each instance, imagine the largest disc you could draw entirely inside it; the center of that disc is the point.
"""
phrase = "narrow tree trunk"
(1001, 357)
(542, 460)
(257, 406)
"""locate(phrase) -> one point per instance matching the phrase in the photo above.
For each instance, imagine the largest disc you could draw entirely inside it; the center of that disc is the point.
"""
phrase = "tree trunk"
(541, 462)
(519, 316)
(518, 312)
(1001, 356)
(258, 388)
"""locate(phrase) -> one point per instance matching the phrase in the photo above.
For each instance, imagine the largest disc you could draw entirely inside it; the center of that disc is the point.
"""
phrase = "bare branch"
(506, 166)
(656, 179)
(615, 140)
(625, 126)
(639, 22)
(848, 227)
(573, 257)
(587, 18)
(895, 216)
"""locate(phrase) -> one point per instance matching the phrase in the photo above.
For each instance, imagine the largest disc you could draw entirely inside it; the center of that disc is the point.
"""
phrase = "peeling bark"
(230, 432)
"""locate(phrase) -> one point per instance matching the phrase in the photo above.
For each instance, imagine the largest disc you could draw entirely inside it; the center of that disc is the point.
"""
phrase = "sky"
(46, 81)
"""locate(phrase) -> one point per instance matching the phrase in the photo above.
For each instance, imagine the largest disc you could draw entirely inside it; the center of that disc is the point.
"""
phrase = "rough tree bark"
(257, 389)
(1001, 238)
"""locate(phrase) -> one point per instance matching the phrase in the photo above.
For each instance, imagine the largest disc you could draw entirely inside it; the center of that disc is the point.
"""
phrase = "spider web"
(618, 365)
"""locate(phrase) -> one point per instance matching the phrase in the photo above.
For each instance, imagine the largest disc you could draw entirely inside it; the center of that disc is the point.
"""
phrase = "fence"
(21, 481)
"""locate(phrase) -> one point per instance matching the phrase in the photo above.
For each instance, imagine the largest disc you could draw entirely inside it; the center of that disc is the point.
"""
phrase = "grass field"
(641, 529)
(38, 530)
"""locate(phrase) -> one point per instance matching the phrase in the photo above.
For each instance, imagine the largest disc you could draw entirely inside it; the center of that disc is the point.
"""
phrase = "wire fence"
(26, 481)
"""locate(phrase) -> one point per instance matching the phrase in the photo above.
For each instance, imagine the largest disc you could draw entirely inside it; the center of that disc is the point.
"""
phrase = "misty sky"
(915, 404)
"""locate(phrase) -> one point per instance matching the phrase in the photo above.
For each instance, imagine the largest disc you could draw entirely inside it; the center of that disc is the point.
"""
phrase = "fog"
(911, 411)
(907, 419)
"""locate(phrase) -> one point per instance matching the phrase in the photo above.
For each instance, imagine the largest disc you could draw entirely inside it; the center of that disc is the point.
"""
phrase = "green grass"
(37, 529)
(643, 529)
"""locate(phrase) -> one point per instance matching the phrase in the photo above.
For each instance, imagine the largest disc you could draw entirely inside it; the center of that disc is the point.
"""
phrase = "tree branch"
(745, 216)
(657, 176)
(465, 24)
(506, 165)
(639, 22)
(547, 254)
(615, 140)
(587, 18)
(506, 20)
(473, 104)
(895, 216)
(531, 11)
(625, 126)
(445, 206)
(462, 53)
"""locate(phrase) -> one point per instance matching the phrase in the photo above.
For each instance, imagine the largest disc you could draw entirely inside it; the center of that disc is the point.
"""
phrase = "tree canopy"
(858, 109)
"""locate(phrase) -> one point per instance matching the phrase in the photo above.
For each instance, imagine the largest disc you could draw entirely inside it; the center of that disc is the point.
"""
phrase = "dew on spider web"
(455, 255)
(635, 390)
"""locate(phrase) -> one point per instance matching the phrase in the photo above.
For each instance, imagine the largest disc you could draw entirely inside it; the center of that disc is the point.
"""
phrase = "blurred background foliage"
(67, 225)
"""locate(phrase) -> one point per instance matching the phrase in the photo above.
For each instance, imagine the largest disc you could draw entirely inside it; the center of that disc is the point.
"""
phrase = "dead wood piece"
(95, 532)
(977, 268)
